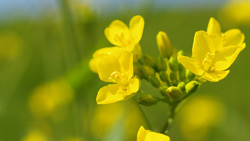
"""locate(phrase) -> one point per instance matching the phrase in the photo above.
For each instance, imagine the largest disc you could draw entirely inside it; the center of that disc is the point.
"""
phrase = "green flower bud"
(179, 64)
(147, 100)
(174, 93)
(181, 85)
(173, 64)
(154, 81)
(161, 64)
(163, 76)
(164, 44)
(149, 60)
(189, 75)
(182, 74)
(191, 87)
(137, 71)
(149, 70)
(173, 76)
(163, 91)
(137, 53)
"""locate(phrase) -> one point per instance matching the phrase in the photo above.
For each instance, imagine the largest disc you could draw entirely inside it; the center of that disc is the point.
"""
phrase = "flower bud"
(147, 100)
(149, 70)
(164, 44)
(163, 91)
(174, 93)
(181, 85)
(173, 76)
(182, 74)
(173, 64)
(163, 76)
(149, 60)
(137, 71)
(189, 75)
(191, 87)
(137, 53)
(161, 64)
(154, 81)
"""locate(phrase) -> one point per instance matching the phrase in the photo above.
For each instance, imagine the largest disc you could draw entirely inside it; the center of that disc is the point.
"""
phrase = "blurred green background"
(47, 92)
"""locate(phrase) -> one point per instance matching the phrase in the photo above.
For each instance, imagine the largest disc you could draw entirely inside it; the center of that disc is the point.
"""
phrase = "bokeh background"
(47, 91)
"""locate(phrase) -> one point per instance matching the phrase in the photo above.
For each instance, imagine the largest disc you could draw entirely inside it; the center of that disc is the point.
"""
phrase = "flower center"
(122, 39)
(208, 62)
(119, 78)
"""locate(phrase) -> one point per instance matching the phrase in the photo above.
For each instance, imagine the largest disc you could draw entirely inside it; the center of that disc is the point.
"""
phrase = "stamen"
(208, 62)
(118, 78)
(121, 39)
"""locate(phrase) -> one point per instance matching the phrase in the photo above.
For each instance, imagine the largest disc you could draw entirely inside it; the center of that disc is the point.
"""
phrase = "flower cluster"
(175, 76)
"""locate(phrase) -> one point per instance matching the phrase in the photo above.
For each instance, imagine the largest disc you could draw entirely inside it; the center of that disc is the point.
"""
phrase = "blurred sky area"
(33, 7)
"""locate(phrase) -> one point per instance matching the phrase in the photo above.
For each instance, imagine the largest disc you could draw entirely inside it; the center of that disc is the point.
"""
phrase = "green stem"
(143, 114)
(170, 119)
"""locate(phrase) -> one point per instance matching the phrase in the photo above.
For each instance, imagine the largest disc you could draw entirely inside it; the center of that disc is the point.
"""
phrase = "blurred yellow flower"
(35, 136)
(147, 135)
(119, 70)
(120, 35)
(198, 115)
(48, 97)
(10, 45)
(208, 60)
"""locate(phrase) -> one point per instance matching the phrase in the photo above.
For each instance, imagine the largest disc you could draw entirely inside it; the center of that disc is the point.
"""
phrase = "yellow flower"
(117, 68)
(147, 135)
(100, 54)
(230, 37)
(128, 38)
(208, 60)
(120, 35)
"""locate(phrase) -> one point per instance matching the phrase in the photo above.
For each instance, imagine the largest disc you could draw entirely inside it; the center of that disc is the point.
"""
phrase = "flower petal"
(226, 56)
(190, 64)
(215, 76)
(109, 94)
(213, 27)
(233, 37)
(117, 33)
(106, 51)
(126, 64)
(202, 45)
(147, 135)
(136, 27)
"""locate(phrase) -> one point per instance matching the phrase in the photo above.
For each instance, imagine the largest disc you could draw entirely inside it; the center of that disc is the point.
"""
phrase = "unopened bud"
(182, 74)
(149, 60)
(181, 52)
(173, 64)
(149, 70)
(191, 87)
(181, 85)
(173, 76)
(137, 71)
(164, 44)
(189, 75)
(163, 91)
(174, 93)
(161, 64)
(163, 76)
(137, 53)
(154, 81)
(147, 100)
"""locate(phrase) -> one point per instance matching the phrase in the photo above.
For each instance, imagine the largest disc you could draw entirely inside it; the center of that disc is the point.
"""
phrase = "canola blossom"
(117, 69)
(147, 135)
(208, 61)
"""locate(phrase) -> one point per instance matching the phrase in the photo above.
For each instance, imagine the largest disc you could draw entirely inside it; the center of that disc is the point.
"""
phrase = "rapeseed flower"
(147, 135)
(208, 60)
(118, 69)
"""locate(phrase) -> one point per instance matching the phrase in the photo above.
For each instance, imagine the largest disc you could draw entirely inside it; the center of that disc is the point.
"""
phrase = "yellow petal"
(226, 56)
(213, 27)
(93, 64)
(107, 51)
(233, 37)
(191, 64)
(202, 45)
(147, 135)
(126, 64)
(136, 27)
(215, 76)
(118, 33)
(134, 85)
(109, 94)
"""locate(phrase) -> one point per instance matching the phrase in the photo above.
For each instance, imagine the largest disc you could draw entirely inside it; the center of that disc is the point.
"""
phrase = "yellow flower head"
(119, 34)
(118, 69)
(230, 37)
(208, 60)
(147, 135)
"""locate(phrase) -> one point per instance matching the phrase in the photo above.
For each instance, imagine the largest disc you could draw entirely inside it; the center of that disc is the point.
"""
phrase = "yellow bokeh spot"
(35, 136)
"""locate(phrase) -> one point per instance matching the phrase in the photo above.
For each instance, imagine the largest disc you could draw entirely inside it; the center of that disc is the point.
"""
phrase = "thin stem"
(143, 114)
(170, 119)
